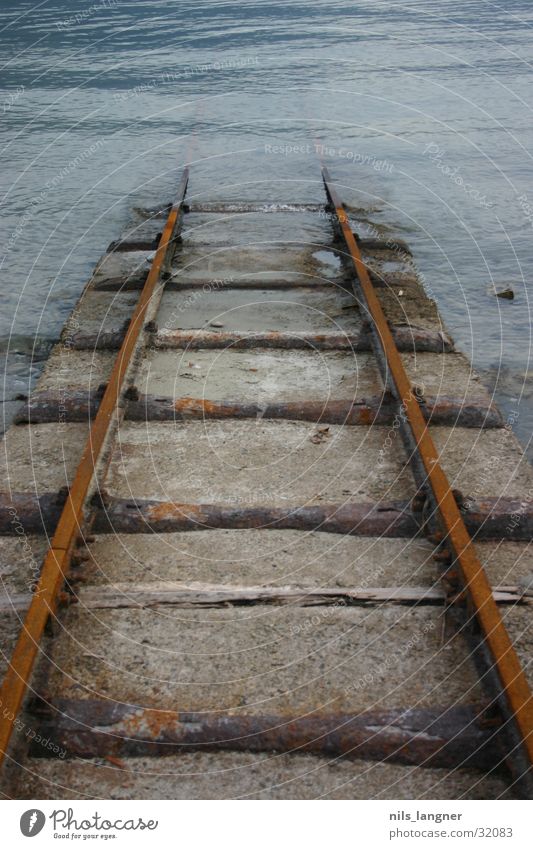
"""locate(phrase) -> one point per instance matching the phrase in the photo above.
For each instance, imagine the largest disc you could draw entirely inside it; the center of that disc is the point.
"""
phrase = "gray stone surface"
(278, 558)
(256, 462)
(41, 458)
(273, 462)
(133, 265)
(67, 368)
(299, 310)
(226, 775)
(263, 558)
(253, 229)
(268, 261)
(263, 658)
(259, 375)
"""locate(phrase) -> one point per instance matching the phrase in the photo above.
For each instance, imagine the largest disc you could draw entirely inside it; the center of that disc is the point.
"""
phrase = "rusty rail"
(492, 647)
(56, 563)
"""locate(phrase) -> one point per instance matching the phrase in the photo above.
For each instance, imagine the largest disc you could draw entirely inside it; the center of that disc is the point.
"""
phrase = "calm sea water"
(423, 109)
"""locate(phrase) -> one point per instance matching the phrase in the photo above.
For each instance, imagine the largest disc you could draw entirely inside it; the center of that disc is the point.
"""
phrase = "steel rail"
(501, 667)
(56, 563)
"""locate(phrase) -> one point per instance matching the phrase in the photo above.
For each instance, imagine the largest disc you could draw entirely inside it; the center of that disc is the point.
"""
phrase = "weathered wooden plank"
(452, 738)
(115, 596)
(78, 405)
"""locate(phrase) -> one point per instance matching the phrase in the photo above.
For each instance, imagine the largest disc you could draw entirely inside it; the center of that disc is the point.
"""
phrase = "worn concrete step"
(97, 312)
(249, 228)
(403, 299)
(274, 375)
(255, 373)
(69, 369)
(41, 458)
(261, 462)
(303, 310)
(268, 659)
(277, 462)
(214, 226)
(272, 558)
(268, 206)
(223, 262)
(140, 234)
(131, 267)
(246, 775)
(297, 310)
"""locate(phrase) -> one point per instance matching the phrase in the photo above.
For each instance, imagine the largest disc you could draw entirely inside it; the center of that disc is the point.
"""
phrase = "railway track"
(291, 560)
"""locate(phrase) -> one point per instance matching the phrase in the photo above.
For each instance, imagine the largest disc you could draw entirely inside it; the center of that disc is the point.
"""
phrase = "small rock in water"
(507, 293)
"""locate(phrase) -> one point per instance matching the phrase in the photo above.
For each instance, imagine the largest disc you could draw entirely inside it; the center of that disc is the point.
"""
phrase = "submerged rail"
(56, 563)
(501, 670)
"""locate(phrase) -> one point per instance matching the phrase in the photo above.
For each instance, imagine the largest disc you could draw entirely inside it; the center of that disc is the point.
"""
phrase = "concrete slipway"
(243, 269)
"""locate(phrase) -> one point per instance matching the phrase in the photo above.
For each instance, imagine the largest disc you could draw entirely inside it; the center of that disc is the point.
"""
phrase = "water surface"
(422, 111)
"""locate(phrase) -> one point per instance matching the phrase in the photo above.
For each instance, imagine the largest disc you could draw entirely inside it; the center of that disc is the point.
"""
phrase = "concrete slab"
(100, 311)
(263, 375)
(267, 462)
(227, 775)
(487, 462)
(261, 558)
(253, 228)
(404, 301)
(226, 261)
(21, 558)
(142, 229)
(256, 462)
(263, 658)
(290, 310)
(68, 368)
(41, 458)
(268, 375)
(450, 375)
(133, 265)
(278, 558)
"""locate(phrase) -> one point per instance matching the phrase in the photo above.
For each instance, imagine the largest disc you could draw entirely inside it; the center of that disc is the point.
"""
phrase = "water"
(420, 109)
